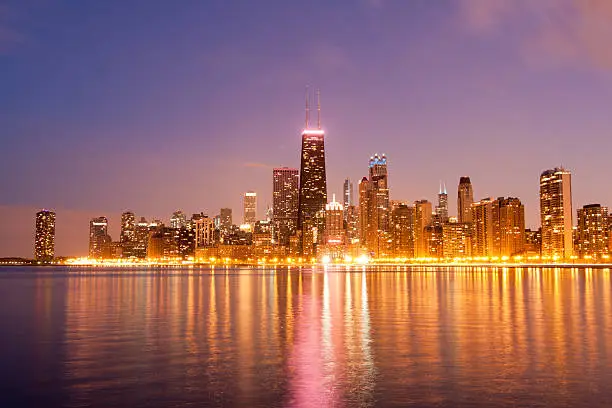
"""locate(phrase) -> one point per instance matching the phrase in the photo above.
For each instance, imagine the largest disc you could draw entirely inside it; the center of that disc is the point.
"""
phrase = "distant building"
(141, 234)
(403, 221)
(44, 243)
(442, 207)
(312, 196)
(249, 208)
(347, 196)
(352, 223)
(99, 240)
(498, 227)
(178, 220)
(225, 215)
(465, 198)
(127, 239)
(435, 241)
(593, 232)
(334, 223)
(533, 242)
(457, 239)
(556, 214)
(285, 184)
(204, 232)
(422, 220)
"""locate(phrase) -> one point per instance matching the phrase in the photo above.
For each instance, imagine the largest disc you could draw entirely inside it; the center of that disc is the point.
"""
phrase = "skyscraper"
(499, 227)
(592, 232)
(44, 243)
(249, 205)
(285, 183)
(402, 228)
(313, 182)
(334, 223)
(442, 207)
(422, 221)
(374, 208)
(99, 240)
(556, 214)
(465, 198)
(127, 239)
(347, 195)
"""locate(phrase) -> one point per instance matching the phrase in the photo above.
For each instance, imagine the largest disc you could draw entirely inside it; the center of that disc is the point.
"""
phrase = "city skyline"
(500, 119)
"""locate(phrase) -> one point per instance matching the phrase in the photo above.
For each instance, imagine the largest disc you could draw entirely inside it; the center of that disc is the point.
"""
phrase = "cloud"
(566, 32)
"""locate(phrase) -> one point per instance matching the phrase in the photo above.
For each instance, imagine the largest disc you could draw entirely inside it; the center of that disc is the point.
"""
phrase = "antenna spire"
(319, 108)
(307, 108)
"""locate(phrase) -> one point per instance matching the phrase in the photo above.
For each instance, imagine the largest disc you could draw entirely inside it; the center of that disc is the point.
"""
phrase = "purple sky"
(155, 106)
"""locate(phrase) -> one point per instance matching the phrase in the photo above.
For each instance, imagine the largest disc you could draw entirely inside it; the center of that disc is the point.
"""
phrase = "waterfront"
(361, 336)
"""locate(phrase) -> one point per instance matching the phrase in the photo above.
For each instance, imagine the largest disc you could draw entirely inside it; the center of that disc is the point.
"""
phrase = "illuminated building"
(225, 215)
(422, 220)
(457, 241)
(403, 220)
(204, 232)
(163, 243)
(44, 243)
(99, 240)
(592, 232)
(374, 208)
(533, 242)
(249, 206)
(312, 195)
(511, 226)
(141, 238)
(498, 227)
(127, 239)
(442, 207)
(556, 214)
(186, 241)
(178, 220)
(364, 209)
(285, 184)
(465, 198)
(334, 223)
(434, 238)
(347, 196)
(352, 224)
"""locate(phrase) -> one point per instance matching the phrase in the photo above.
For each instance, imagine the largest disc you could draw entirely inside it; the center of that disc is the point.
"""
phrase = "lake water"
(313, 337)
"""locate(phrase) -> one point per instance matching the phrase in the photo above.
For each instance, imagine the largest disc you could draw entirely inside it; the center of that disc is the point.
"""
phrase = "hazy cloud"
(576, 32)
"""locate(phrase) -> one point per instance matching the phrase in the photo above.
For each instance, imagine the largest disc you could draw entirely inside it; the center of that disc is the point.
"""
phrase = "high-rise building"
(465, 198)
(204, 232)
(127, 239)
(402, 231)
(556, 214)
(313, 181)
(249, 205)
(285, 183)
(592, 232)
(442, 207)
(422, 220)
(352, 224)
(457, 239)
(511, 226)
(334, 223)
(178, 219)
(374, 208)
(141, 238)
(44, 243)
(347, 195)
(99, 240)
(364, 211)
(498, 227)
(225, 215)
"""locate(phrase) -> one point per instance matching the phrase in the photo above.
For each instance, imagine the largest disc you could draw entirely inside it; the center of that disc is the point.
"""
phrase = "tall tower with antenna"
(313, 180)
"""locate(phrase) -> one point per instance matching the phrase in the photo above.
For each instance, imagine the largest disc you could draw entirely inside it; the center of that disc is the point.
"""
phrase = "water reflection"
(322, 337)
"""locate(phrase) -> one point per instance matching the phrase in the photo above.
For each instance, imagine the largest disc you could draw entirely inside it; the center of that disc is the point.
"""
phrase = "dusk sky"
(155, 106)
